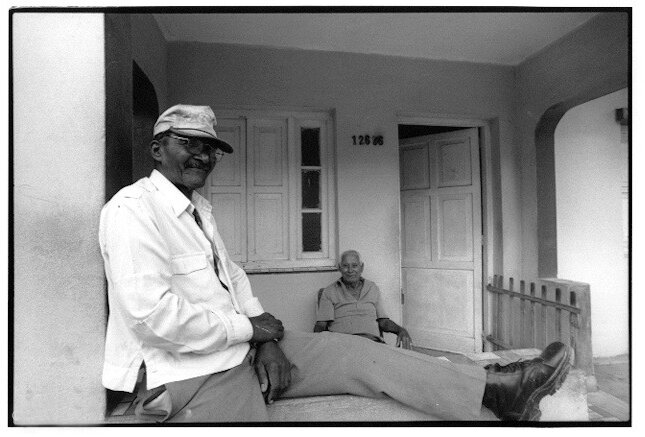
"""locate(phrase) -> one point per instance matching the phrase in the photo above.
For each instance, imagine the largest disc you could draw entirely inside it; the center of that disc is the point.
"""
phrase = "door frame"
(490, 200)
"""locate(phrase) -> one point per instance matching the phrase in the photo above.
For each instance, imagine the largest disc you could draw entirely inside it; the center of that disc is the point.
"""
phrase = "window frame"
(295, 120)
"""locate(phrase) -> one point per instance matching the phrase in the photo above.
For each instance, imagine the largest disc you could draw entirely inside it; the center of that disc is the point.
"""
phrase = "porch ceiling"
(505, 38)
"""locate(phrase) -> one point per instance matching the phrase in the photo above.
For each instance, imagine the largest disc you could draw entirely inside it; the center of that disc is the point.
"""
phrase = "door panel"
(454, 163)
(414, 167)
(440, 318)
(441, 240)
(416, 226)
(454, 227)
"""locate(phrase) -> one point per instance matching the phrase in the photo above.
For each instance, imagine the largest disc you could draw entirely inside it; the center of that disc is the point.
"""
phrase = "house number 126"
(377, 140)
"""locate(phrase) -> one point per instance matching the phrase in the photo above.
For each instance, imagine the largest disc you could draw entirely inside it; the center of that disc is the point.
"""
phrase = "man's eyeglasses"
(197, 146)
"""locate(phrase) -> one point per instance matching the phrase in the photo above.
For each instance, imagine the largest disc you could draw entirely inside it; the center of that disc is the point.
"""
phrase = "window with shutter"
(274, 197)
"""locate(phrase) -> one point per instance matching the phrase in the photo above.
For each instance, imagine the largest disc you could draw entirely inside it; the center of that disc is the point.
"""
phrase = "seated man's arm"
(322, 326)
(402, 337)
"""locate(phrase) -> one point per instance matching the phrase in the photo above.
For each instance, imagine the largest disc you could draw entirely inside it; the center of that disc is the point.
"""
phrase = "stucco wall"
(586, 64)
(589, 147)
(59, 137)
(366, 92)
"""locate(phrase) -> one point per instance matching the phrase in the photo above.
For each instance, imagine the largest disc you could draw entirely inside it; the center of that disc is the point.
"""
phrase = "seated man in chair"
(352, 305)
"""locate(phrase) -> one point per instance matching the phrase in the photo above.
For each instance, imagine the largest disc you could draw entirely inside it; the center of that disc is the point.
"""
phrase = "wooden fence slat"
(541, 316)
(574, 324)
(534, 318)
(525, 310)
(501, 332)
(487, 307)
(494, 312)
(551, 316)
(497, 312)
(516, 320)
(564, 328)
(558, 312)
(506, 317)
(511, 314)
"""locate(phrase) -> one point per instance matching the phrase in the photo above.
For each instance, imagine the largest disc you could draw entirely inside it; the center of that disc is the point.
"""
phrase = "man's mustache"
(199, 165)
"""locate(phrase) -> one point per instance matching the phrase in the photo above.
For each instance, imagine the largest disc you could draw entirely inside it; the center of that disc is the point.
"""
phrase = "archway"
(145, 110)
(545, 168)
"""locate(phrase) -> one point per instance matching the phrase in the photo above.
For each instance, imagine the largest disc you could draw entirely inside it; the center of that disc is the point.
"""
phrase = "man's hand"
(266, 328)
(273, 370)
(403, 339)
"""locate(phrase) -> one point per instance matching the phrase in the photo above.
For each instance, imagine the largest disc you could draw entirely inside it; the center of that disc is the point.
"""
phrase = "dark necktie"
(199, 223)
(197, 218)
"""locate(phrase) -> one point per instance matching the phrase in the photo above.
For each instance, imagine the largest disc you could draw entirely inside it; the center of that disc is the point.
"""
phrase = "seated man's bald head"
(347, 253)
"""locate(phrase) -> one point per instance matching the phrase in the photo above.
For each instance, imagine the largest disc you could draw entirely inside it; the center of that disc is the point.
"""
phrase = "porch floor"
(612, 400)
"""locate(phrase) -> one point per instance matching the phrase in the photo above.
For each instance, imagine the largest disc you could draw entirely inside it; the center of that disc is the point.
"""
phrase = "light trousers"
(329, 363)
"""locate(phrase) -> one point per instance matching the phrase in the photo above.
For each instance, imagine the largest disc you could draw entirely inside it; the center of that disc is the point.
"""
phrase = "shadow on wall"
(145, 110)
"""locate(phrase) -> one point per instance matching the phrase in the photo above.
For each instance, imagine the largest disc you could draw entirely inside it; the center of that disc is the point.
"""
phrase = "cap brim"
(223, 145)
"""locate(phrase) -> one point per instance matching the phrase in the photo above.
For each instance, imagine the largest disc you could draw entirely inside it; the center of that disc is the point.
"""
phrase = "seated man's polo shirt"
(348, 314)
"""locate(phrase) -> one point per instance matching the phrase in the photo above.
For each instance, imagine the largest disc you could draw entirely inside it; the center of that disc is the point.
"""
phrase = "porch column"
(59, 188)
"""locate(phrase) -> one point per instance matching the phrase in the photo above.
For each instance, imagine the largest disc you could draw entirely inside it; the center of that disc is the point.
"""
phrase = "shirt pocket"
(192, 276)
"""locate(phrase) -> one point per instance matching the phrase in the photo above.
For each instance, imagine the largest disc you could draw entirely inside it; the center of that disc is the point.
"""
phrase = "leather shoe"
(514, 391)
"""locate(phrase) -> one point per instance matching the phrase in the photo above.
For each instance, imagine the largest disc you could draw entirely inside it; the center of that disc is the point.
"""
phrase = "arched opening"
(545, 169)
(145, 110)
(545, 186)
(591, 181)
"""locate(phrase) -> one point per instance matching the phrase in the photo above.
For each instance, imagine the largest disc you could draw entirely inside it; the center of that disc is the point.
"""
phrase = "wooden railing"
(535, 315)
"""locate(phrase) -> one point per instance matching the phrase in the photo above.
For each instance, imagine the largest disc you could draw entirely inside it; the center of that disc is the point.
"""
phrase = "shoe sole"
(531, 410)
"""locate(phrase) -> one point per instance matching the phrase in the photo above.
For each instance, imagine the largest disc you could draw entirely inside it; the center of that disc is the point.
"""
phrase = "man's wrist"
(256, 344)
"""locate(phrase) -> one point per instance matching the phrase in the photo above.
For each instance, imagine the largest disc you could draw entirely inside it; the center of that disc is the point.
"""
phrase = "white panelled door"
(441, 240)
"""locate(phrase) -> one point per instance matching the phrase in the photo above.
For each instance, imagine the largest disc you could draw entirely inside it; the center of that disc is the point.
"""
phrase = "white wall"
(591, 169)
(59, 149)
(366, 92)
(511, 202)
(588, 63)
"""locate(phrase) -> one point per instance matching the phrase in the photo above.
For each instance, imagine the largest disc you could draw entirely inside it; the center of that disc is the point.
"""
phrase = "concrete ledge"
(569, 403)
(343, 408)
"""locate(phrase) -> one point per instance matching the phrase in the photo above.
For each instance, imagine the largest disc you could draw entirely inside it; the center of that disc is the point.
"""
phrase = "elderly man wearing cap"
(182, 308)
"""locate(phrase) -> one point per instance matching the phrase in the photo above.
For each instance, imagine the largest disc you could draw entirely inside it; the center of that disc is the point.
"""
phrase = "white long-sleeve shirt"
(166, 305)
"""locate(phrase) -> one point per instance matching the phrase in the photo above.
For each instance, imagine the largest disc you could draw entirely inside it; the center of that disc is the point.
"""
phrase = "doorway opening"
(441, 235)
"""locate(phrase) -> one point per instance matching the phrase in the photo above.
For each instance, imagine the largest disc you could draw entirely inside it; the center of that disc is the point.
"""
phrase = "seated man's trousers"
(328, 364)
